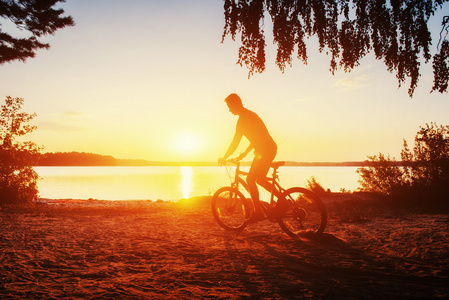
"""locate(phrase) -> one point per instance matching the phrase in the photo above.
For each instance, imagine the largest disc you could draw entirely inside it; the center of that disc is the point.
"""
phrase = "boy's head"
(234, 103)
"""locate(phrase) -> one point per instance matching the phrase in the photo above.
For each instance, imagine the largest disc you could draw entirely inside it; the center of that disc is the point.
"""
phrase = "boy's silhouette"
(252, 127)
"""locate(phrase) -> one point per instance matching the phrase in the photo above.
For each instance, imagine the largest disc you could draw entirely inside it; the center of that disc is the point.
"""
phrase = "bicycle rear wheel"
(304, 213)
(230, 208)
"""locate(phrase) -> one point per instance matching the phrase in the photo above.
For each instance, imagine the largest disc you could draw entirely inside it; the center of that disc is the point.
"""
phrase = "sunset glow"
(186, 143)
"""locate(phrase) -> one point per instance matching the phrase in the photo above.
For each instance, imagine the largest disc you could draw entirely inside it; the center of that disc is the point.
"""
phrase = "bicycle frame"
(275, 190)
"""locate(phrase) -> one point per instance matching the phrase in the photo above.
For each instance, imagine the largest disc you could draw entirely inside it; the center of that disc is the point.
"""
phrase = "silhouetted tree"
(17, 177)
(395, 30)
(36, 18)
(428, 164)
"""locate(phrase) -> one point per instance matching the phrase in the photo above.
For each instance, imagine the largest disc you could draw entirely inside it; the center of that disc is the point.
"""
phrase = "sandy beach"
(92, 249)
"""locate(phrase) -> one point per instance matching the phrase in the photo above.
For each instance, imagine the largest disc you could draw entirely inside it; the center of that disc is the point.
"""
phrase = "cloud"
(72, 113)
(58, 126)
(351, 83)
(69, 121)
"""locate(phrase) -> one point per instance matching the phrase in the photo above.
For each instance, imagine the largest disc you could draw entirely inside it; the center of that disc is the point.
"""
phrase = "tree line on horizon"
(74, 158)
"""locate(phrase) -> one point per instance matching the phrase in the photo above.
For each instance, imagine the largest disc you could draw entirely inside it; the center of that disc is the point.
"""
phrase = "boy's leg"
(252, 178)
(254, 192)
(257, 175)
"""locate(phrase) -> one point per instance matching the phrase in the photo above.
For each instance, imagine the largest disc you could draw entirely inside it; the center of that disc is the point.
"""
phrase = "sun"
(187, 143)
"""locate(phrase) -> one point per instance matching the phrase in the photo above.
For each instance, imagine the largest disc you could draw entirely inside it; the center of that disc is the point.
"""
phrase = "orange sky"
(147, 80)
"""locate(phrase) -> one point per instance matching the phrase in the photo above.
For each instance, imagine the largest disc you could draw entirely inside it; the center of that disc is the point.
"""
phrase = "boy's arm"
(245, 153)
(232, 147)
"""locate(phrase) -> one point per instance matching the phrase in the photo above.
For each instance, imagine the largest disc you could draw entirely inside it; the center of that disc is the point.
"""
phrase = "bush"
(382, 176)
(18, 180)
(422, 179)
(315, 186)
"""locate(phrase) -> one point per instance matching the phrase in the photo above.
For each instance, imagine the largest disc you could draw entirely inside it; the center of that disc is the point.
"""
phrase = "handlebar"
(234, 161)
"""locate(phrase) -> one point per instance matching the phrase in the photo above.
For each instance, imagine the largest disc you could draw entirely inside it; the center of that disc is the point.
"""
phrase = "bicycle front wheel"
(230, 208)
(304, 213)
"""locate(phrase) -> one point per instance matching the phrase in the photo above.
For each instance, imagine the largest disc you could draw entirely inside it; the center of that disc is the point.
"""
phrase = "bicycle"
(298, 211)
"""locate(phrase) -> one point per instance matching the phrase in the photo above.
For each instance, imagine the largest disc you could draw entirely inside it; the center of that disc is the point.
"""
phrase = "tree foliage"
(423, 179)
(428, 164)
(36, 18)
(441, 68)
(395, 30)
(17, 177)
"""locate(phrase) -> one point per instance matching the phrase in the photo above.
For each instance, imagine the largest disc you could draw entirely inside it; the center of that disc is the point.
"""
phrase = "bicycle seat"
(277, 164)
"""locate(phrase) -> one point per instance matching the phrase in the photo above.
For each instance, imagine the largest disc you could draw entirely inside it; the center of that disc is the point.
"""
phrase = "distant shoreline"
(204, 164)
(79, 159)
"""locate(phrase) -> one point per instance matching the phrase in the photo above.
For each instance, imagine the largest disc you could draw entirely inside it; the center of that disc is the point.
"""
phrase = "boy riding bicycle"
(252, 127)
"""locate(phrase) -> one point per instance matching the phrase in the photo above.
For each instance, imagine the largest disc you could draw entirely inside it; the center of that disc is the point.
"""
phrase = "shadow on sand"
(322, 266)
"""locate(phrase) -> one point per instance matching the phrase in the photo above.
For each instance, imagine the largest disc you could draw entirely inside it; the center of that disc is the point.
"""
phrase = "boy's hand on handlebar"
(221, 161)
(240, 157)
(234, 160)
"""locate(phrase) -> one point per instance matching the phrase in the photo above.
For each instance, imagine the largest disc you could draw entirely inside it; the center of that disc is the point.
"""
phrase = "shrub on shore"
(422, 182)
(313, 185)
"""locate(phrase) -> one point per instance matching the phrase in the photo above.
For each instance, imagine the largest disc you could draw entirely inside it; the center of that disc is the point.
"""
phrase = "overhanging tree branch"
(36, 18)
(395, 31)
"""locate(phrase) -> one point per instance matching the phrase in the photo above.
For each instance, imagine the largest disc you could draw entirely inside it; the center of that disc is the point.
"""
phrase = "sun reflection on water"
(186, 182)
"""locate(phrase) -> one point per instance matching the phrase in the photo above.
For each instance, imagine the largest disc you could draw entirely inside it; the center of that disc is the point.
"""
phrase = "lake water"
(169, 183)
